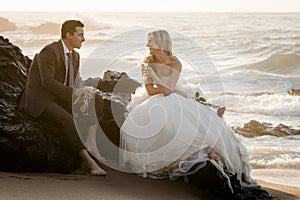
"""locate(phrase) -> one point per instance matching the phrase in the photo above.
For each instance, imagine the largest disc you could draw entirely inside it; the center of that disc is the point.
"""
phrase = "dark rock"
(210, 178)
(30, 144)
(255, 128)
(26, 144)
(117, 83)
(91, 82)
(115, 93)
(295, 92)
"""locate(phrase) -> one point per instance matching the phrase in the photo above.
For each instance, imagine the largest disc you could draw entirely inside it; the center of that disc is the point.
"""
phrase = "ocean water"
(245, 61)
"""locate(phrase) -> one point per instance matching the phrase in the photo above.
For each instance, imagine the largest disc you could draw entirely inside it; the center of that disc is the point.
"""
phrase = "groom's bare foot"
(95, 169)
(92, 148)
(91, 164)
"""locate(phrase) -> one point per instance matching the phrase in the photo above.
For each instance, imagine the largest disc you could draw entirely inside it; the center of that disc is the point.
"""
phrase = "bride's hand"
(146, 70)
(149, 58)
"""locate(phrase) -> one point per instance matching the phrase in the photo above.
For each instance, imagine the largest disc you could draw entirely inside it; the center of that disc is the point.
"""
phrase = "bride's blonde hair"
(163, 39)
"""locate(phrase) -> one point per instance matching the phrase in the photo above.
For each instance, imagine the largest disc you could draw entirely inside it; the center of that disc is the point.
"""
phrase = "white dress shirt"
(66, 50)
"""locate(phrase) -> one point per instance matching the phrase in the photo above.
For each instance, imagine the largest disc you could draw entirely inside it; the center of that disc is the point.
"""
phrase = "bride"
(165, 133)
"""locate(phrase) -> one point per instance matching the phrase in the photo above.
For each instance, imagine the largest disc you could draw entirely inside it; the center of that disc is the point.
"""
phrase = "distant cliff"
(7, 25)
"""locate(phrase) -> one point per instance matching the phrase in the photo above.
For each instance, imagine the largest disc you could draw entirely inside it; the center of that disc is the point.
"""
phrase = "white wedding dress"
(165, 136)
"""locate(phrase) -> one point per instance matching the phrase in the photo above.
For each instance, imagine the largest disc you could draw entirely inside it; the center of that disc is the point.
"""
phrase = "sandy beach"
(117, 185)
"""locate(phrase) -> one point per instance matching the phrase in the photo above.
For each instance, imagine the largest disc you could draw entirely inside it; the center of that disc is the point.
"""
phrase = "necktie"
(70, 77)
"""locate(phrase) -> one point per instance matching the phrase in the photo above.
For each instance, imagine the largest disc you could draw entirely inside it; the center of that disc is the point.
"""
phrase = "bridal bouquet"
(83, 101)
(220, 110)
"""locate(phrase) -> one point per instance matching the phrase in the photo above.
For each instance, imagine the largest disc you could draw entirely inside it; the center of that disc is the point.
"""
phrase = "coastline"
(117, 185)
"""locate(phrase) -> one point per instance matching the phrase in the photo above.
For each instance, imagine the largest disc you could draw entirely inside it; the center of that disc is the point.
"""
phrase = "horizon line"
(61, 11)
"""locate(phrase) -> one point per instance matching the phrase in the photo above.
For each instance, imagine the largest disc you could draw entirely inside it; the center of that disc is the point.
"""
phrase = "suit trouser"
(61, 116)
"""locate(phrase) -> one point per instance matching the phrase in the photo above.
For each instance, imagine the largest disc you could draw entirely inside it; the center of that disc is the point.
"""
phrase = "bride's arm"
(150, 85)
(180, 92)
(153, 89)
(164, 87)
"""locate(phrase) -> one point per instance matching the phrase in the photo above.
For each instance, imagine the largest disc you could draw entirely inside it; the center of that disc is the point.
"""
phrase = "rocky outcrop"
(26, 144)
(210, 178)
(29, 144)
(116, 89)
(295, 92)
(255, 129)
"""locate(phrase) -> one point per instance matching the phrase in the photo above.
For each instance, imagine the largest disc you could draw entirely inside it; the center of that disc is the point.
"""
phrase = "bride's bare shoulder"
(175, 62)
(176, 59)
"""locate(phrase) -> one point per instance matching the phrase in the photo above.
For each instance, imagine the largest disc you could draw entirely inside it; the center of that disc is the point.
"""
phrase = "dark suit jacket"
(46, 77)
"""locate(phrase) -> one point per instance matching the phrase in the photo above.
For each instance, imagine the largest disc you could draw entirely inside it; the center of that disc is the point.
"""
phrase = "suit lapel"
(62, 56)
(61, 52)
(74, 57)
(75, 62)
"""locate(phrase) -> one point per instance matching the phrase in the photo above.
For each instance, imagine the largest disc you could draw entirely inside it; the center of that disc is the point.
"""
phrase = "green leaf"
(202, 99)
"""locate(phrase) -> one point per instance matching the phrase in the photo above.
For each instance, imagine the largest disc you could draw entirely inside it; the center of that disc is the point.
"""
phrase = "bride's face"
(151, 43)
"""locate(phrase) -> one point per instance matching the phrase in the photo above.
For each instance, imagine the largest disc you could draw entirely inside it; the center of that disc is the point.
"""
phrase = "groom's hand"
(83, 91)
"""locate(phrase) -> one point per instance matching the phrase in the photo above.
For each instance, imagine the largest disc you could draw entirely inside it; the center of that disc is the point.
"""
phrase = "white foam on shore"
(279, 104)
(288, 177)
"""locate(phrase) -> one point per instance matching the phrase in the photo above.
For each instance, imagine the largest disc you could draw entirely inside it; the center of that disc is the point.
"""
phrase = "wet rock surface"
(255, 128)
(36, 145)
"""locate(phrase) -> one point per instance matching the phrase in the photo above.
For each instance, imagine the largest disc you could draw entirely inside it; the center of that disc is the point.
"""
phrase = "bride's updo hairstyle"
(163, 40)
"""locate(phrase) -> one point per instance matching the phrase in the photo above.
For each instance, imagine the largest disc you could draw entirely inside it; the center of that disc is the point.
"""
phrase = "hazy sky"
(154, 5)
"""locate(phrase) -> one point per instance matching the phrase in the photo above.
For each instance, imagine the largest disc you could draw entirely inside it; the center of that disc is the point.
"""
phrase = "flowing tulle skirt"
(164, 136)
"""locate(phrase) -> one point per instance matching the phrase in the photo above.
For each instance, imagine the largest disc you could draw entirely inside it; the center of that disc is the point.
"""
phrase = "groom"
(49, 88)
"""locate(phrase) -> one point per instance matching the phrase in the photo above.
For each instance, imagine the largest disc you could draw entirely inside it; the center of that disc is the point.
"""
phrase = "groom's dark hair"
(70, 26)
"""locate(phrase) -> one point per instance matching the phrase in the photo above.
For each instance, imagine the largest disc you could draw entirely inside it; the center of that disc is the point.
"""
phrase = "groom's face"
(77, 38)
